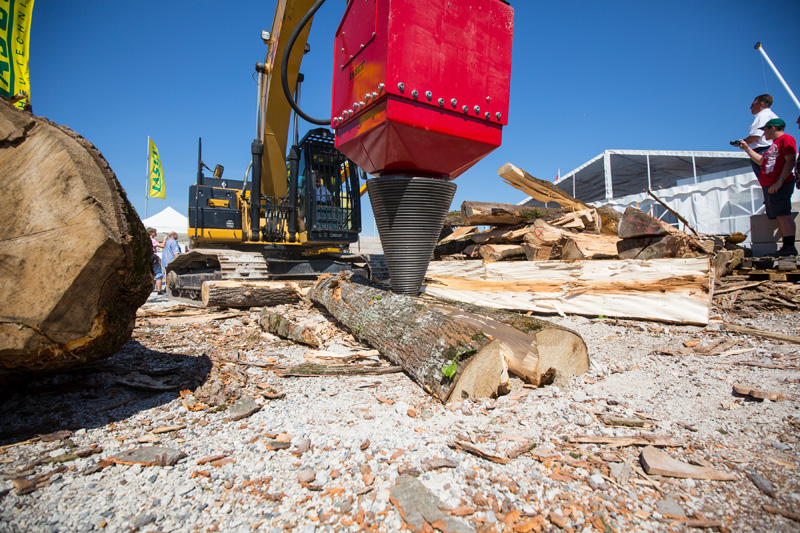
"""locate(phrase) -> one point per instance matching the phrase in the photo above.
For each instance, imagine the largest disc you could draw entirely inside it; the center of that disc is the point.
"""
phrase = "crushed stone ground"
(339, 453)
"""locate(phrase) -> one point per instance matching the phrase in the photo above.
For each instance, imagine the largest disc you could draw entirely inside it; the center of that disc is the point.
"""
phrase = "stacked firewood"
(524, 233)
(573, 231)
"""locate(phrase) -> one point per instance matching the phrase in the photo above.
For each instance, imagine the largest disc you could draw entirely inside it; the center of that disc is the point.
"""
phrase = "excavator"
(420, 94)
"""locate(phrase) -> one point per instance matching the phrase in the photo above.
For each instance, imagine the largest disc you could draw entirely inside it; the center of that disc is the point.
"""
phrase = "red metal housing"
(421, 87)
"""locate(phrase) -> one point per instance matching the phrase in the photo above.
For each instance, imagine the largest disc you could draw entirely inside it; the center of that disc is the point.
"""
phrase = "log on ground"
(535, 350)
(75, 256)
(425, 339)
(239, 293)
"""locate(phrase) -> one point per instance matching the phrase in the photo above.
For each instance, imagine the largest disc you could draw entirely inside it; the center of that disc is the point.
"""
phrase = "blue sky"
(587, 76)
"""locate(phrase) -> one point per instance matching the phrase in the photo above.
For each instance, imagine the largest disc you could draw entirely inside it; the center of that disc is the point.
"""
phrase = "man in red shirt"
(776, 179)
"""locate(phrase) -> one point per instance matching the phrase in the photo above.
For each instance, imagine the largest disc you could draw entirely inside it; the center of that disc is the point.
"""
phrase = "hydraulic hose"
(285, 66)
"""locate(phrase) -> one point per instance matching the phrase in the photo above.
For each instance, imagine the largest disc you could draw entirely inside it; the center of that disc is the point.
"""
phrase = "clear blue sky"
(587, 76)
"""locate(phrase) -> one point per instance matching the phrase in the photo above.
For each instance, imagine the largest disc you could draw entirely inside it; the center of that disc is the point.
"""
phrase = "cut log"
(451, 247)
(581, 246)
(575, 245)
(661, 247)
(544, 191)
(75, 256)
(458, 233)
(301, 323)
(726, 261)
(236, 293)
(637, 223)
(583, 220)
(489, 214)
(535, 350)
(502, 235)
(535, 252)
(544, 234)
(427, 342)
(499, 252)
(670, 290)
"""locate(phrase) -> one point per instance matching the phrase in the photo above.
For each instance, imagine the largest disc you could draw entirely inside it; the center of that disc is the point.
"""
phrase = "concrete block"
(764, 249)
(764, 230)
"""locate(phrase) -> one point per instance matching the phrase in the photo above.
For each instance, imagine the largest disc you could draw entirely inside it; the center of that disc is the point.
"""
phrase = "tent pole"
(771, 64)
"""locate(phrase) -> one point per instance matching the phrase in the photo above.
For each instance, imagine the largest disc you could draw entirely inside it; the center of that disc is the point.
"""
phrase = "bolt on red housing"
(421, 87)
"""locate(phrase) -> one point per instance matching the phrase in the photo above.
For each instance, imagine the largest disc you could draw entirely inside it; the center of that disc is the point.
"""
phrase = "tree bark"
(236, 293)
(403, 330)
(76, 259)
(423, 339)
(485, 213)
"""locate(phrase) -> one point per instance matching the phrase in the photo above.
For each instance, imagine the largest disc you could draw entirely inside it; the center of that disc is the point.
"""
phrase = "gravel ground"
(347, 453)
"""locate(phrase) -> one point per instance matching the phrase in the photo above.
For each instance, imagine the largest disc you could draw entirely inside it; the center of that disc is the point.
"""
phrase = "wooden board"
(670, 290)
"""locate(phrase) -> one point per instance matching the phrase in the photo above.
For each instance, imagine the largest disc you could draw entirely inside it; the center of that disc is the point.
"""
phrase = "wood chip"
(167, 429)
(747, 390)
(775, 510)
(659, 463)
(467, 447)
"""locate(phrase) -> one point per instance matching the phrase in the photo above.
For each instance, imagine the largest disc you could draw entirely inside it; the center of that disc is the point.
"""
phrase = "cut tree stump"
(75, 257)
(424, 340)
(236, 293)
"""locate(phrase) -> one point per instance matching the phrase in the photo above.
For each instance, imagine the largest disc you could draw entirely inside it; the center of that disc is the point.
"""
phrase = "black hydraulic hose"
(285, 66)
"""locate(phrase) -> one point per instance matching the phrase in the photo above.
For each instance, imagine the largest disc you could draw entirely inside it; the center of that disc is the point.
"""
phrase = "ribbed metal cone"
(410, 213)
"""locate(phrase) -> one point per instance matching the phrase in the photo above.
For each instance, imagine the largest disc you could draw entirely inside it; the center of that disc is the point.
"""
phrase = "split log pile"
(520, 233)
(75, 256)
(573, 231)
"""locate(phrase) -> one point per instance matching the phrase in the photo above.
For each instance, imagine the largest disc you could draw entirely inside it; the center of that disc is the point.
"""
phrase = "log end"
(485, 375)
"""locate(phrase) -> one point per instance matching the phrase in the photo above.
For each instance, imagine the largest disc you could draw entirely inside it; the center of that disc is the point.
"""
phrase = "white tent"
(167, 221)
(716, 192)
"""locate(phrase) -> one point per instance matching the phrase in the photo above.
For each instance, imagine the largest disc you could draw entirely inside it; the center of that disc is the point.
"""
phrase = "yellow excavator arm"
(275, 112)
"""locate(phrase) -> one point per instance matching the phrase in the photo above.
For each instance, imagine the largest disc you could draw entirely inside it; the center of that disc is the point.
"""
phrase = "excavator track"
(187, 272)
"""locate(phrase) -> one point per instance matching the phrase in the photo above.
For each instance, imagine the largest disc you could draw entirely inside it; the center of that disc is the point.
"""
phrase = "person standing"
(158, 273)
(171, 250)
(776, 179)
(756, 139)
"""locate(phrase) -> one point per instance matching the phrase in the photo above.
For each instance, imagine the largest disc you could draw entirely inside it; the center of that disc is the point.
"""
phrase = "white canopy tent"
(167, 221)
(716, 192)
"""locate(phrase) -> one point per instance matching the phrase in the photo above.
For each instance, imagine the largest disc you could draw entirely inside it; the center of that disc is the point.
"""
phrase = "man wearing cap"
(776, 179)
(756, 138)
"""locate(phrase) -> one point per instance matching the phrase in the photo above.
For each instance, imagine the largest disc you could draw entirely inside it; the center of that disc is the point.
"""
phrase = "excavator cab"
(328, 199)
(321, 211)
